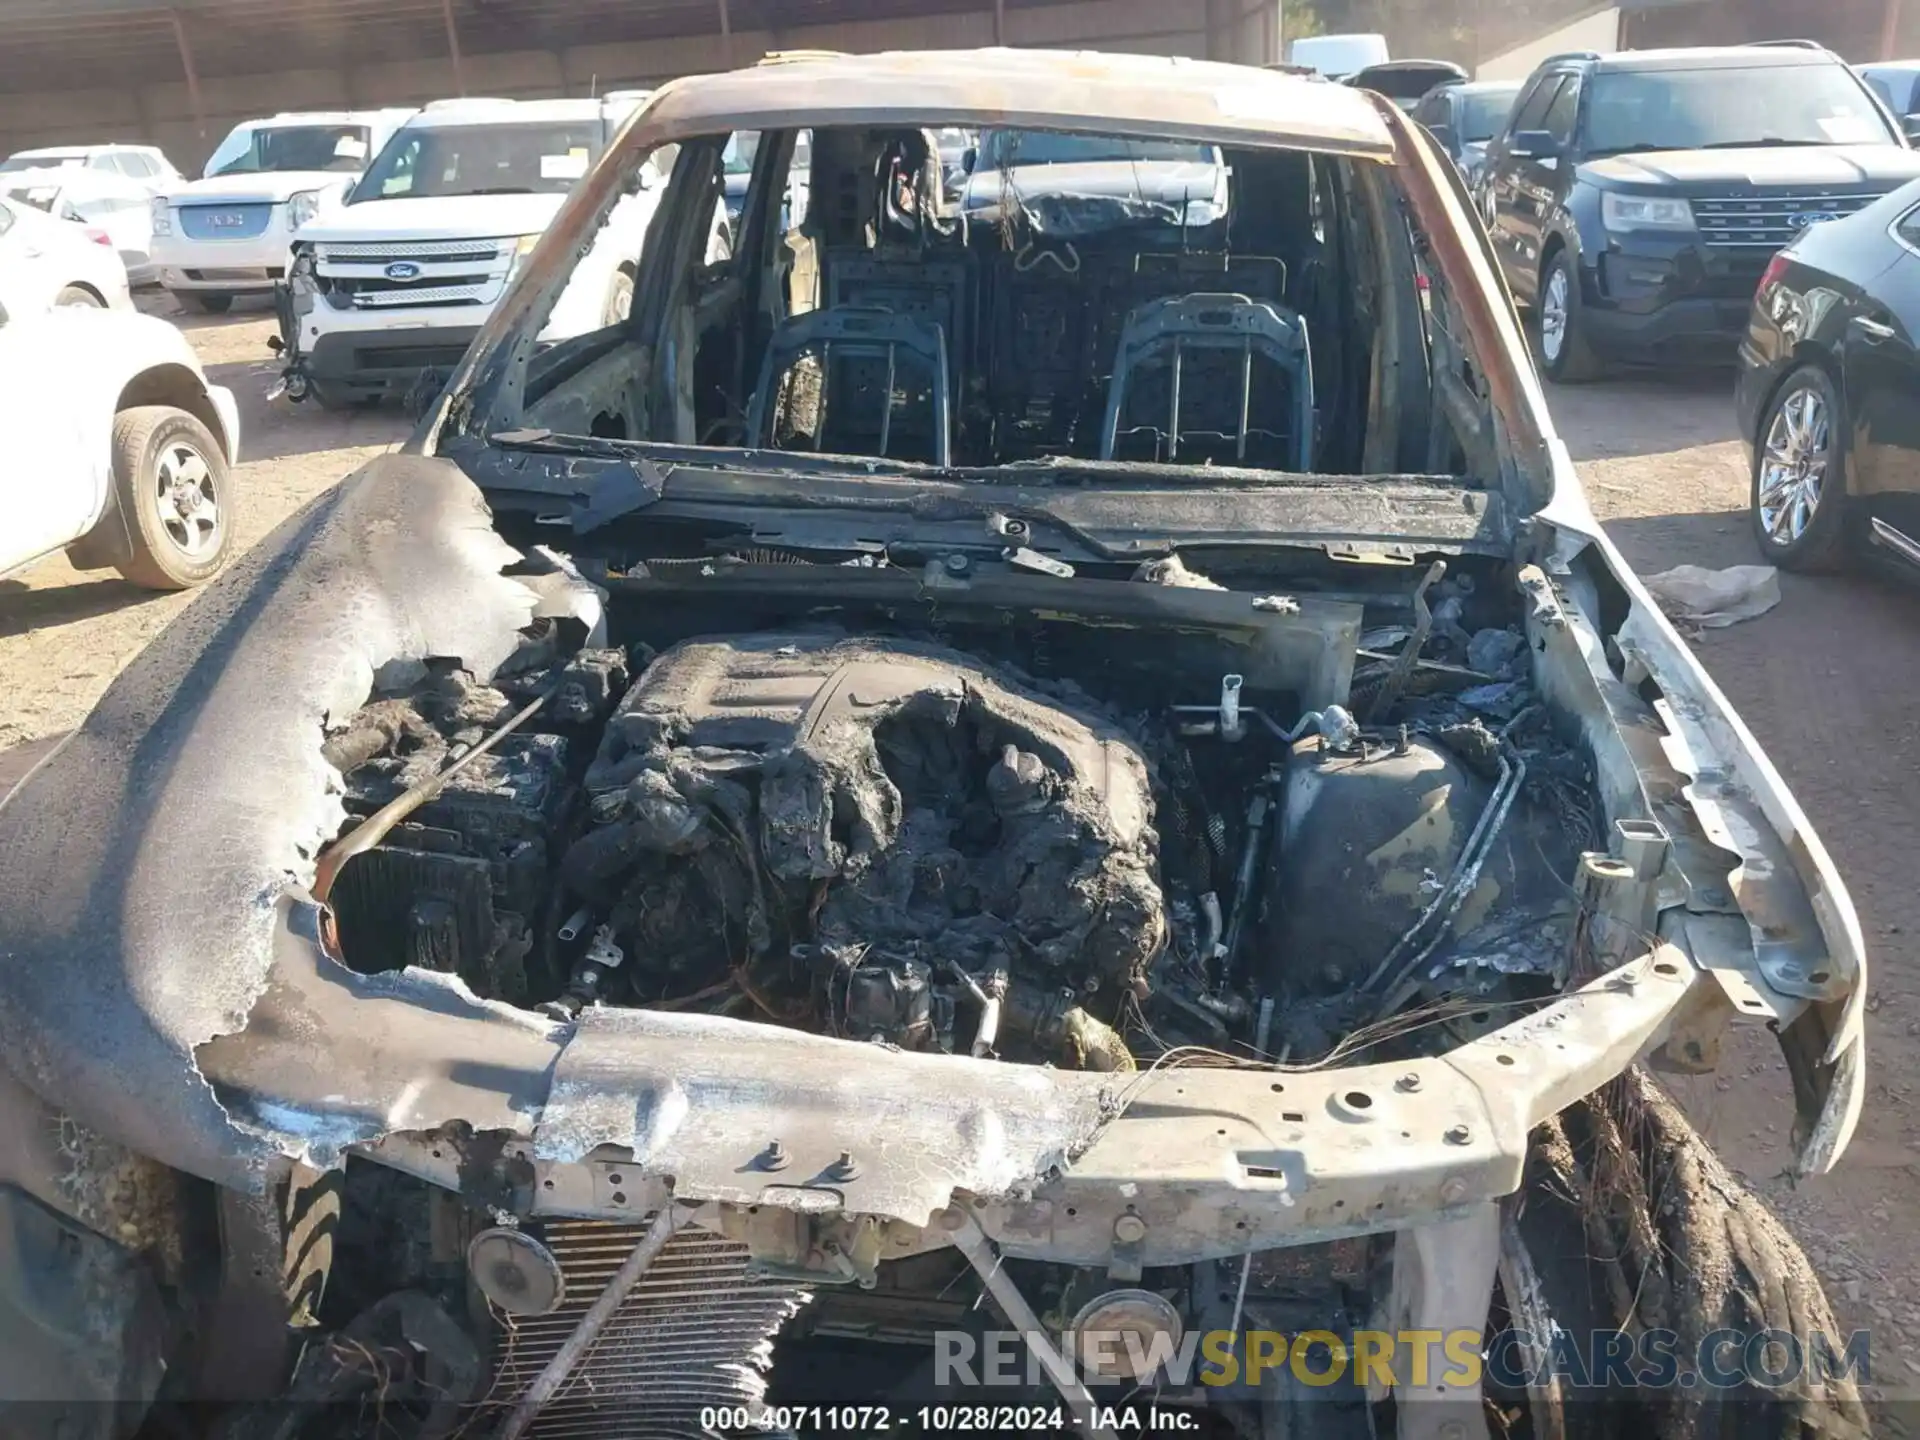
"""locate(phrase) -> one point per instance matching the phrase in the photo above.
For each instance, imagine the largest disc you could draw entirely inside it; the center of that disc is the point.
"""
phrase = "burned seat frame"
(1163, 331)
(857, 332)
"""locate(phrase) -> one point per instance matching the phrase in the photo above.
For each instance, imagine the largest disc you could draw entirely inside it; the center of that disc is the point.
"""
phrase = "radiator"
(695, 1332)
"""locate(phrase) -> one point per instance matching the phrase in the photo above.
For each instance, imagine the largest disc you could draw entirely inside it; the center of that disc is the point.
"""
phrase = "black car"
(1405, 81)
(1829, 389)
(1897, 82)
(1634, 199)
(1464, 117)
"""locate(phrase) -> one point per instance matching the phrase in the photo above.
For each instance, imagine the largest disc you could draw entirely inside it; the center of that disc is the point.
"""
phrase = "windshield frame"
(364, 189)
(486, 390)
(1747, 79)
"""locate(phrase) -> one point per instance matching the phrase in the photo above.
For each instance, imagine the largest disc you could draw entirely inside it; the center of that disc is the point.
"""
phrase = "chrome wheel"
(1793, 465)
(1553, 314)
(187, 500)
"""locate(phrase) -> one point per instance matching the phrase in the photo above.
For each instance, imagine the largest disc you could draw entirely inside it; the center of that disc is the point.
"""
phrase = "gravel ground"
(65, 633)
(1826, 680)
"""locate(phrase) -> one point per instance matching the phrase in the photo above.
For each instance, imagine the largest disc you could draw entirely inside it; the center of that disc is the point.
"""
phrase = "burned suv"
(1082, 770)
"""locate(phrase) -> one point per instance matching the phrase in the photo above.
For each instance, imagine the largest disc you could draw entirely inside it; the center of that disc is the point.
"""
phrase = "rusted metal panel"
(1114, 94)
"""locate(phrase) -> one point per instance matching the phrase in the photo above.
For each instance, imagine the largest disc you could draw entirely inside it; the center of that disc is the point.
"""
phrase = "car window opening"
(1040, 295)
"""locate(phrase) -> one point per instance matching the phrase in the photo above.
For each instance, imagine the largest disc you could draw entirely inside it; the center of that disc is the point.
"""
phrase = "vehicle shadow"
(17, 760)
(281, 430)
(190, 317)
(1713, 539)
(1644, 413)
(26, 608)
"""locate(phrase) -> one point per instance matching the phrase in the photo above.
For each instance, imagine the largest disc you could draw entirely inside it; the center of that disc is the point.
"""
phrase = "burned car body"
(1050, 762)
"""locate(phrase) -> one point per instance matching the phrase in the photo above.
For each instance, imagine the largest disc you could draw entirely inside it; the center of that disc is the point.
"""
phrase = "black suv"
(1635, 199)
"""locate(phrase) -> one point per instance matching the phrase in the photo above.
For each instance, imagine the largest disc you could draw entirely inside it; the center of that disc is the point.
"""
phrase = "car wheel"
(170, 477)
(1799, 492)
(213, 304)
(1565, 356)
(1630, 1225)
(78, 297)
(619, 298)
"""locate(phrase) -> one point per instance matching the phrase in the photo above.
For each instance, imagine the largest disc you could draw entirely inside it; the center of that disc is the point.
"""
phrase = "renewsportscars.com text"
(1604, 1359)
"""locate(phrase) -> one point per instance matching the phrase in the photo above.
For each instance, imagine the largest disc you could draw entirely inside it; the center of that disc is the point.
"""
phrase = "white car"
(143, 164)
(45, 262)
(395, 281)
(118, 207)
(227, 233)
(129, 450)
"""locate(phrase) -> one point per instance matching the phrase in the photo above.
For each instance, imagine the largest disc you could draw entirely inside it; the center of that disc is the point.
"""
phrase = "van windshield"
(510, 158)
(278, 149)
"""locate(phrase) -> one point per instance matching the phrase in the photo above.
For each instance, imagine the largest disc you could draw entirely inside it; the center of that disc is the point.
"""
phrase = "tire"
(619, 298)
(1632, 1225)
(170, 479)
(1797, 500)
(1565, 356)
(211, 304)
(78, 297)
(332, 400)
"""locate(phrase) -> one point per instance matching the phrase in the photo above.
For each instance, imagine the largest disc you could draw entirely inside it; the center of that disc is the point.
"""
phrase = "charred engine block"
(916, 833)
(464, 886)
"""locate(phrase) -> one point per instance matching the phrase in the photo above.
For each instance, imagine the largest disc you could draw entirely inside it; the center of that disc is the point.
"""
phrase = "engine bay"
(1082, 841)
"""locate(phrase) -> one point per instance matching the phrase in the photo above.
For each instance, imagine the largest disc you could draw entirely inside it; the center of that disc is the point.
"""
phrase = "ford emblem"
(1812, 217)
(403, 270)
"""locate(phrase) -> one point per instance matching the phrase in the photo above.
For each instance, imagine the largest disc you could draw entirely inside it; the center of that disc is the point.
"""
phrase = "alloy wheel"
(1553, 314)
(1793, 465)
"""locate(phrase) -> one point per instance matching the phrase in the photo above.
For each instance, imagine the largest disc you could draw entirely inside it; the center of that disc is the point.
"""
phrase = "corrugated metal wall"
(342, 54)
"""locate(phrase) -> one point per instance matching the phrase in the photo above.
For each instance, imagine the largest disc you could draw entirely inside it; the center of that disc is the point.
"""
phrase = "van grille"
(231, 221)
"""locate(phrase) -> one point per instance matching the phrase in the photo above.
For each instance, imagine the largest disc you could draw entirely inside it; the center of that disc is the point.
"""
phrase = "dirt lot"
(1827, 680)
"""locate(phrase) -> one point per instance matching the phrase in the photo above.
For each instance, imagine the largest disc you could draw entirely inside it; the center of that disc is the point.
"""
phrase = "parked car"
(739, 168)
(1075, 184)
(857, 792)
(227, 233)
(1897, 82)
(1405, 81)
(47, 262)
(398, 278)
(127, 448)
(145, 165)
(1634, 199)
(1829, 390)
(1338, 56)
(1463, 118)
(112, 204)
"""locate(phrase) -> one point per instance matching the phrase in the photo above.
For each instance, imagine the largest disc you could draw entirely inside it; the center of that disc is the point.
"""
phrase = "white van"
(1338, 56)
(227, 233)
(396, 280)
